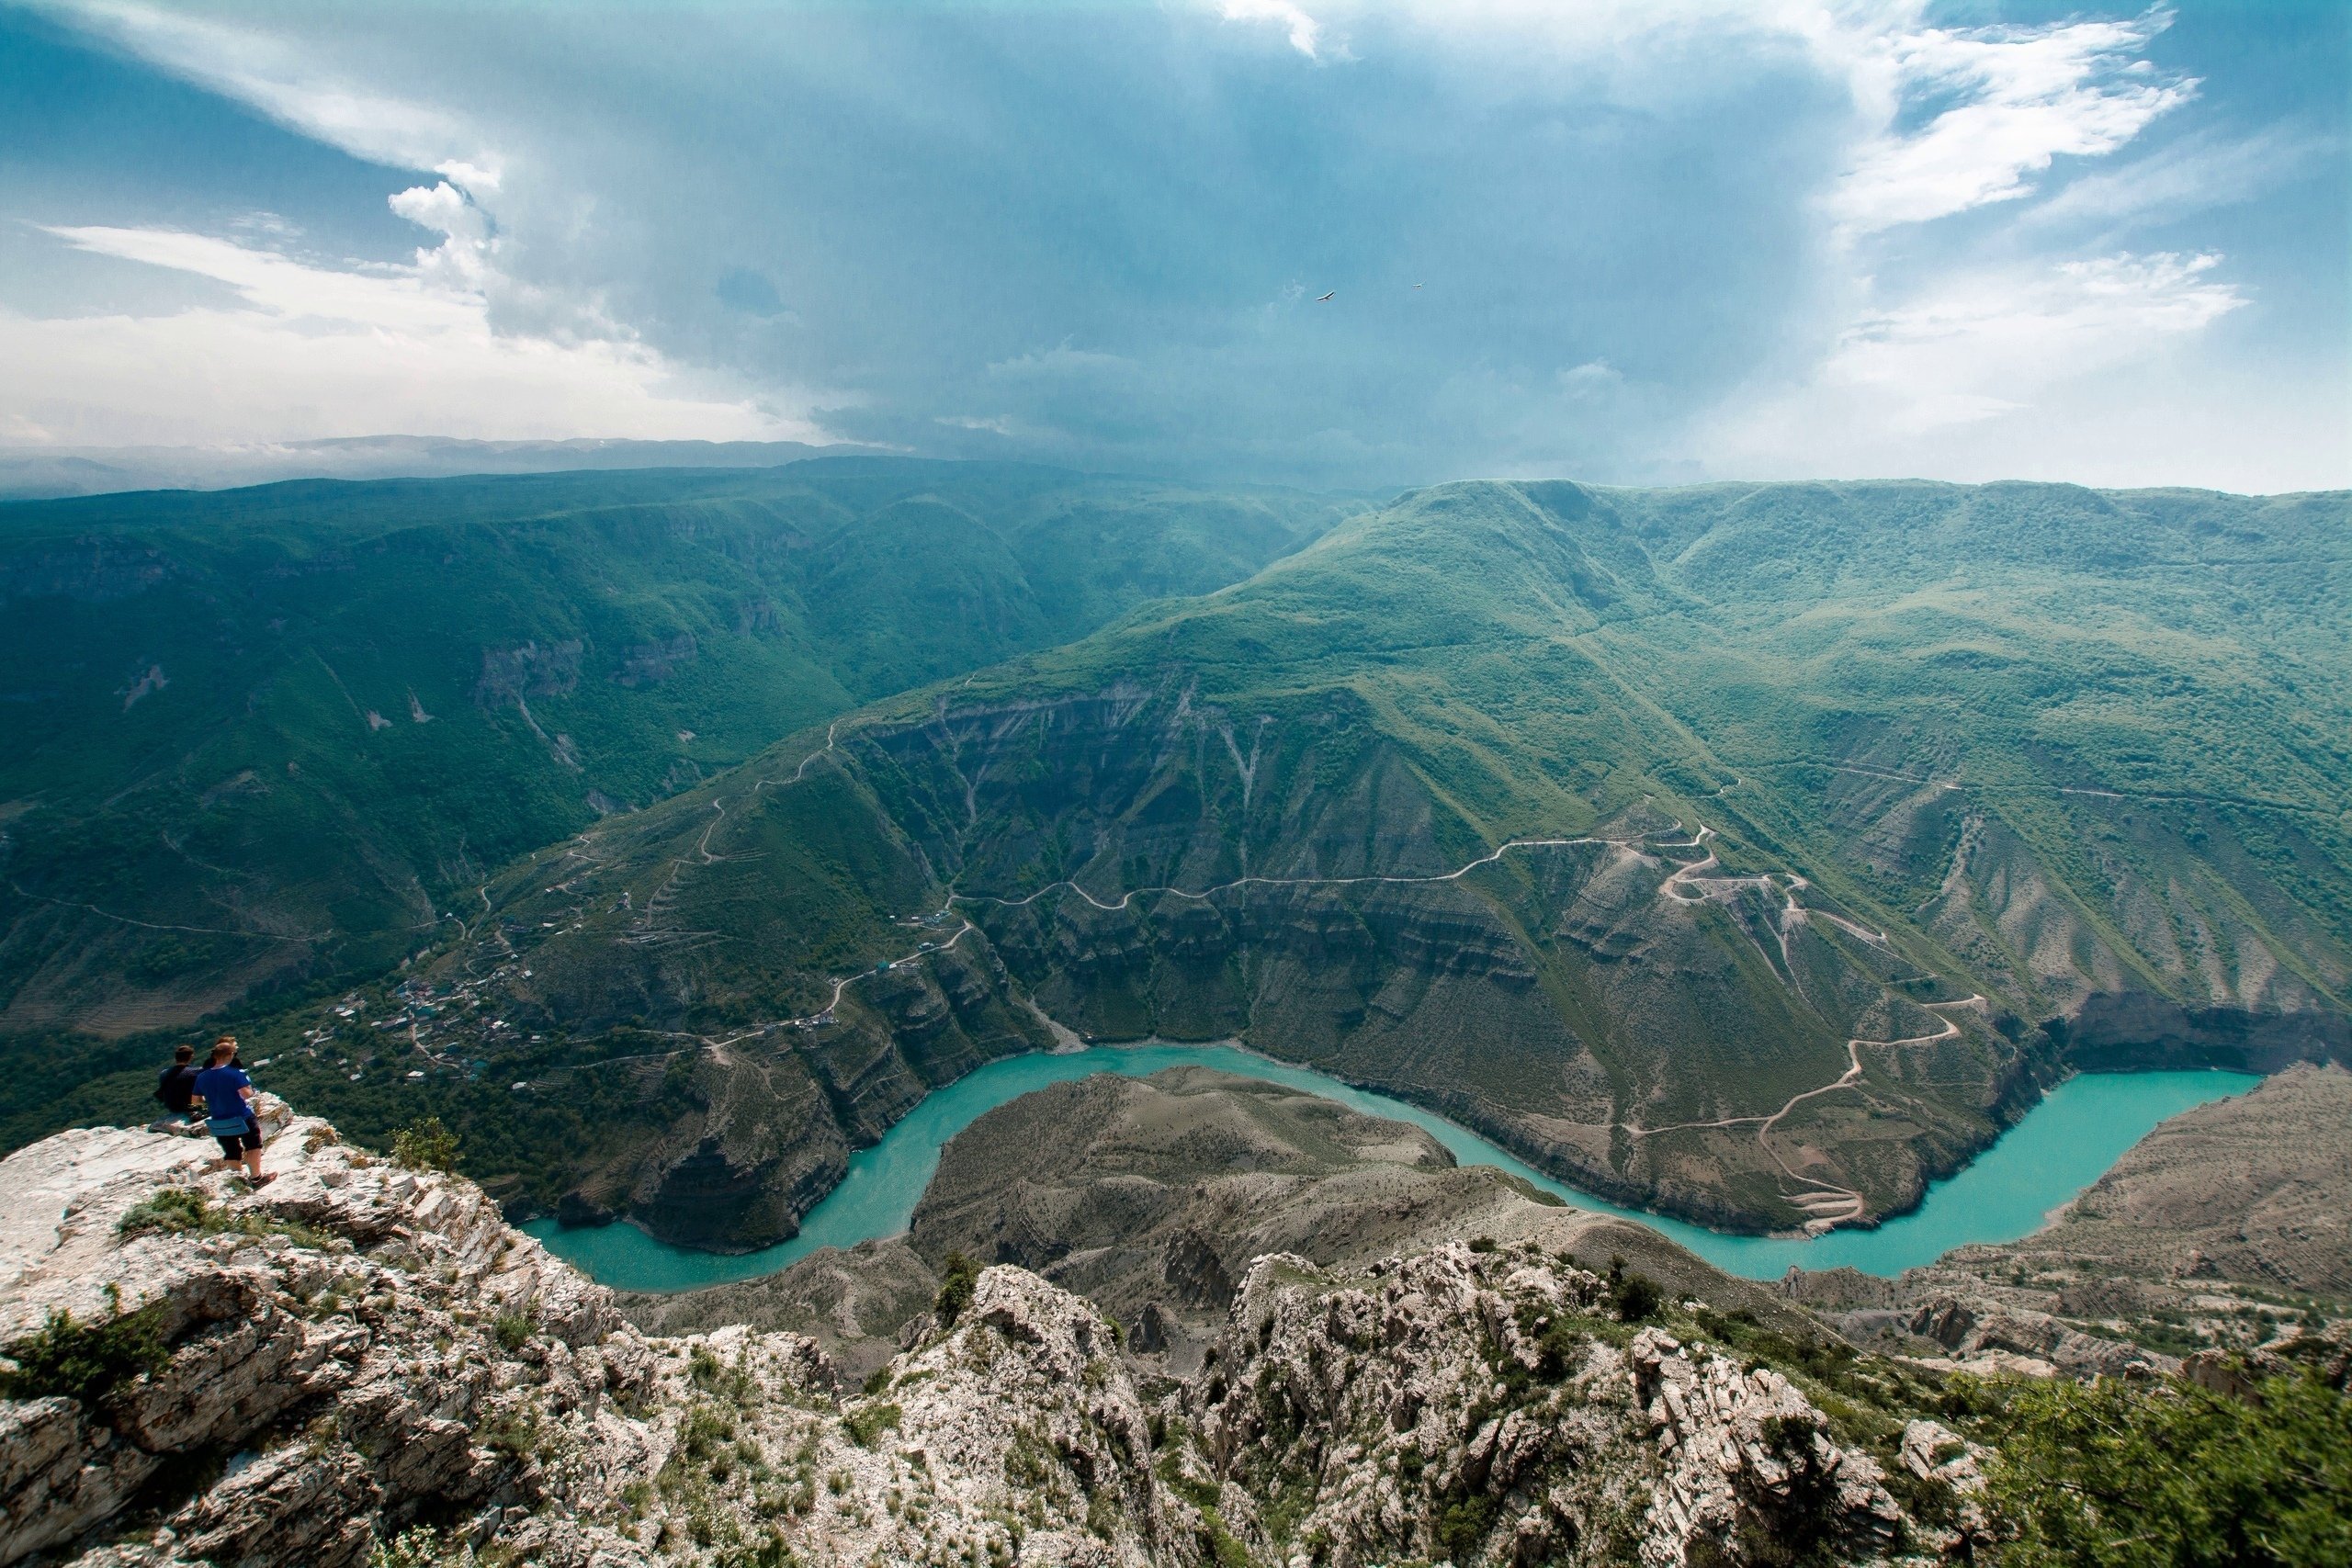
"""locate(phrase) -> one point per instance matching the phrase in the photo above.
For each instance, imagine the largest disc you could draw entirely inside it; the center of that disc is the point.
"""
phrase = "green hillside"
(274, 737)
(2080, 755)
(1857, 812)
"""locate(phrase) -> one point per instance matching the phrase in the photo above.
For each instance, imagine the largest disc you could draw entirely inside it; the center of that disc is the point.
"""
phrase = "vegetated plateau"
(1752, 852)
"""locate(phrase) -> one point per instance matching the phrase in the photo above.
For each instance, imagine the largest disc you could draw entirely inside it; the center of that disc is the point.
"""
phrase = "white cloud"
(462, 259)
(2018, 97)
(1063, 362)
(1988, 343)
(287, 81)
(1306, 34)
(1948, 119)
(1000, 424)
(313, 351)
(2193, 173)
(1594, 378)
(1990, 349)
(586, 197)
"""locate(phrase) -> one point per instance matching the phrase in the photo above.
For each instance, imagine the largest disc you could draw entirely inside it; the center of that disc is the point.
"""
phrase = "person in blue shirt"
(228, 1096)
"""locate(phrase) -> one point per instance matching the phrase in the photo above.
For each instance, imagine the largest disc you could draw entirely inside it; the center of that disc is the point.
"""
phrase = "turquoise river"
(2063, 1146)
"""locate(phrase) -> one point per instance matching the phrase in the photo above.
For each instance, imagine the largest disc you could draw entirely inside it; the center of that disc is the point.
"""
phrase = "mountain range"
(48, 472)
(1751, 852)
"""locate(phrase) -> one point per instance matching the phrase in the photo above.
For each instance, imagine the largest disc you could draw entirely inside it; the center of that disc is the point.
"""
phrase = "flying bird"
(1416, 286)
(1320, 298)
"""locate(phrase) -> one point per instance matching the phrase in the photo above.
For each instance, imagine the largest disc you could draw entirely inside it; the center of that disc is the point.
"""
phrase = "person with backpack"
(176, 1086)
(228, 1099)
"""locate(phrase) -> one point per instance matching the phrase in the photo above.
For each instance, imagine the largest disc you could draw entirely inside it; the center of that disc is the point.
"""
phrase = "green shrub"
(425, 1144)
(1463, 1524)
(515, 1433)
(1638, 1299)
(168, 1212)
(1226, 1552)
(2113, 1475)
(865, 1426)
(732, 1383)
(708, 1430)
(421, 1547)
(86, 1362)
(1559, 1351)
(1632, 1294)
(1201, 1495)
(957, 1279)
(770, 1551)
(181, 1210)
(512, 1331)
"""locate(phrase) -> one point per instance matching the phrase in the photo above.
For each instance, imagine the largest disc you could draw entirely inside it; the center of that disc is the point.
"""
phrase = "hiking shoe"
(260, 1181)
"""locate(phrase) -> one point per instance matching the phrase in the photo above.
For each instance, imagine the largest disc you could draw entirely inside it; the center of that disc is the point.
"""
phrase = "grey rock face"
(1478, 1407)
(1743, 1447)
(358, 1351)
(357, 1341)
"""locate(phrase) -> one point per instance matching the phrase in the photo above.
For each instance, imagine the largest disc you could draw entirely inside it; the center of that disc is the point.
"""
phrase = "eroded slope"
(2220, 1227)
(1749, 852)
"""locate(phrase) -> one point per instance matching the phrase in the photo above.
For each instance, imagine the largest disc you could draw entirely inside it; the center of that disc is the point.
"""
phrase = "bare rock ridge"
(360, 1353)
(351, 1345)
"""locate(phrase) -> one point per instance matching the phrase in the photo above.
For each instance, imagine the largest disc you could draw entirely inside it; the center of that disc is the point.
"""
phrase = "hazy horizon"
(34, 473)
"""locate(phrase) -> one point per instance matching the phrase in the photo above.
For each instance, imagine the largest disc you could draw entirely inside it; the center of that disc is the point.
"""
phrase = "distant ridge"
(42, 473)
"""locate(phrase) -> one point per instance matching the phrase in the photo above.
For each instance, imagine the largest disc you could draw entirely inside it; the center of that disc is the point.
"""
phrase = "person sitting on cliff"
(228, 1096)
(176, 1088)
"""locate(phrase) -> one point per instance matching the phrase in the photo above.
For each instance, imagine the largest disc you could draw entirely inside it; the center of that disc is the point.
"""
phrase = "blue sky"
(1630, 240)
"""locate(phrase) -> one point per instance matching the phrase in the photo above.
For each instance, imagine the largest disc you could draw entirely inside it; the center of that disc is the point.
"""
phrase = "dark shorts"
(233, 1145)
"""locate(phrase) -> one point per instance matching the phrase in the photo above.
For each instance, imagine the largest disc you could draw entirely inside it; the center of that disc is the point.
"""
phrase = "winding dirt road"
(1207, 893)
(1825, 1203)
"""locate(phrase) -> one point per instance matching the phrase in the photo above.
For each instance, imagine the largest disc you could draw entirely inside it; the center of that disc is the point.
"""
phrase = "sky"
(1631, 241)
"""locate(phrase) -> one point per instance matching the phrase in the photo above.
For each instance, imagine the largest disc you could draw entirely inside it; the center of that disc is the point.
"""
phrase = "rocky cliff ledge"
(363, 1362)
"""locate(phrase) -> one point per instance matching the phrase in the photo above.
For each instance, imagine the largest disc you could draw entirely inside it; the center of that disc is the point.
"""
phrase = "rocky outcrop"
(1190, 1268)
(359, 1356)
(1745, 1452)
(1484, 1406)
(358, 1353)
(347, 1348)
